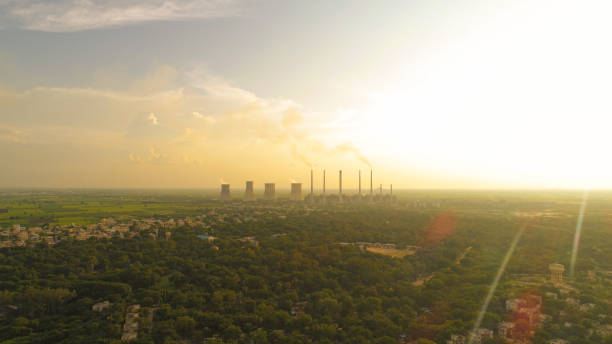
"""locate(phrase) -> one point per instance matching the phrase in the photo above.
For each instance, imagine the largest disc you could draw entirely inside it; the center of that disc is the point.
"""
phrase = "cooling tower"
(249, 195)
(296, 192)
(225, 192)
(270, 191)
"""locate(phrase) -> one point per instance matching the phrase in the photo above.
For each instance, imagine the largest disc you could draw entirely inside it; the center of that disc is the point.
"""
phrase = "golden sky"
(189, 93)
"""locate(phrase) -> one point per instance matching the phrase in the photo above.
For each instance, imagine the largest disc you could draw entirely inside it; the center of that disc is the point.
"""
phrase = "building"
(208, 238)
(504, 329)
(225, 192)
(513, 304)
(269, 191)
(130, 327)
(457, 339)
(249, 195)
(296, 192)
(100, 306)
(556, 272)
(481, 335)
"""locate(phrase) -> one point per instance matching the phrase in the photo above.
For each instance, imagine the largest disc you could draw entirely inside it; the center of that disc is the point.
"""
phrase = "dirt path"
(462, 255)
(422, 279)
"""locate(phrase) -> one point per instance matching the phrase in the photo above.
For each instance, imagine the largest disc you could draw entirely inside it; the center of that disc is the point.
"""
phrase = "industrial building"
(269, 191)
(321, 198)
(296, 192)
(556, 272)
(225, 192)
(249, 195)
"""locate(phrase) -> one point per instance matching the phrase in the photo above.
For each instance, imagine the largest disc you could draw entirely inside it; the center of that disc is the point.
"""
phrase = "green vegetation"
(85, 207)
(303, 286)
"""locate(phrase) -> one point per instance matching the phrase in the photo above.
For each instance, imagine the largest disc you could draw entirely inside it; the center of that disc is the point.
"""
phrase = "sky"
(192, 93)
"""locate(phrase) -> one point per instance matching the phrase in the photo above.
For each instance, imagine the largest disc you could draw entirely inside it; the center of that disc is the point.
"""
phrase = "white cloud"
(153, 119)
(138, 127)
(210, 119)
(77, 15)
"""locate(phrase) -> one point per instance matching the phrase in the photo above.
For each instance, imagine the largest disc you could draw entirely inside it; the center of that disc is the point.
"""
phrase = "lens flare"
(493, 286)
(585, 197)
(440, 227)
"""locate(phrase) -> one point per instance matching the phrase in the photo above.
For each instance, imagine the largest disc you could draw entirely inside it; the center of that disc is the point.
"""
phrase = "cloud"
(162, 127)
(209, 119)
(153, 119)
(292, 118)
(10, 134)
(77, 15)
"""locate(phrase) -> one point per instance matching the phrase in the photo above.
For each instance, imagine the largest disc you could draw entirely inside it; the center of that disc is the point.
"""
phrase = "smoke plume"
(349, 148)
(300, 157)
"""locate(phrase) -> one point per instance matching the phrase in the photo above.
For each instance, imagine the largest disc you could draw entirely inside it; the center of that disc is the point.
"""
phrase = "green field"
(86, 206)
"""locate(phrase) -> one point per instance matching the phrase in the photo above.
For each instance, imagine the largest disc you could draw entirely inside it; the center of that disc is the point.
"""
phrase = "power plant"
(270, 191)
(322, 198)
(249, 195)
(225, 192)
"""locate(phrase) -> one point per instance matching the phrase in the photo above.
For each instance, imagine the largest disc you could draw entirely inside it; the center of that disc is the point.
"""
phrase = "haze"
(186, 93)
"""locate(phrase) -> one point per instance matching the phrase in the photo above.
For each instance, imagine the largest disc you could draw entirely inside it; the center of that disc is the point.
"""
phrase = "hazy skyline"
(186, 93)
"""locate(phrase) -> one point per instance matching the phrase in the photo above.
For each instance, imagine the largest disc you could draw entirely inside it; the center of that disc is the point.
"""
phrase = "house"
(100, 306)
(481, 335)
(456, 339)
(209, 238)
(504, 329)
(250, 239)
(513, 304)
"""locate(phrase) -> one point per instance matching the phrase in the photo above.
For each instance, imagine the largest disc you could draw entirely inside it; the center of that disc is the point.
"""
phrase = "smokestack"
(359, 183)
(391, 190)
(269, 191)
(311, 185)
(225, 192)
(340, 185)
(249, 195)
(296, 192)
(371, 184)
(381, 189)
(323, 182)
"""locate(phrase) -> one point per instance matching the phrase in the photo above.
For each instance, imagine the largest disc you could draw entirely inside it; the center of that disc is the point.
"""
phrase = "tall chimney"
(381, 189)
(359, 183)
(371, 184)
(323, 183)
(391, 190)
(311, 185)
(340, 185)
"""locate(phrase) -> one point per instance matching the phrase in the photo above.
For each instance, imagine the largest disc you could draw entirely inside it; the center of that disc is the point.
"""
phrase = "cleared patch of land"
(392, 252)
